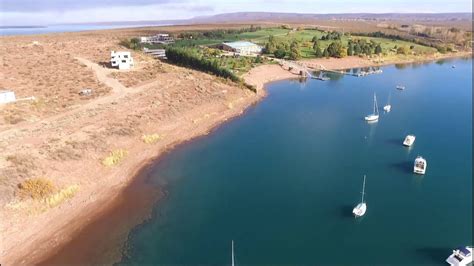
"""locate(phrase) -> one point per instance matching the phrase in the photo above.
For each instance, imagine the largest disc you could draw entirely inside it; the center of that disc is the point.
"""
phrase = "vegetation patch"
(62, 195)
(36, 188)
(190, 58)
(151, 138)
(115, 157)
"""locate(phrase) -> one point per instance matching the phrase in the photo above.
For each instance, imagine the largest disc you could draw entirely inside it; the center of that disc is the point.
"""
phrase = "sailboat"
(388, 107)
(233, 259)
(361, 208)
(375, 115)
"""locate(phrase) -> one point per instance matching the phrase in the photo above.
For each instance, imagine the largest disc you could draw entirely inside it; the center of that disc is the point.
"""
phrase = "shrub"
(114, 157)
(36, 188)
(133, 44)
(62, 195)
(280, 53)
(150, 139)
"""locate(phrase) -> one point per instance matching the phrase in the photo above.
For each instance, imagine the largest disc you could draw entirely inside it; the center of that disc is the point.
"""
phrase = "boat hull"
(359, 210)
(371, 118)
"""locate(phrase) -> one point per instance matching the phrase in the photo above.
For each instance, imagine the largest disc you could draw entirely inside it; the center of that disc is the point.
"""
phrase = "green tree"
(326, 53)
(280, 53)
(315, 39)
(378, 49)
(295, 53)
(318, 52)
(350, 50)
(270, 46)
(403, 50)
(335, 49)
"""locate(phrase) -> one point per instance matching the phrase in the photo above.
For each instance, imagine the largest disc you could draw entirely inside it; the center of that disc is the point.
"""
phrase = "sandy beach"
(65, 137)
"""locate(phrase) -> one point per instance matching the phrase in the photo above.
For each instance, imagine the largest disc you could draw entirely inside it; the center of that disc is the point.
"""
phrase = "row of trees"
(190, 58)
(282, 49)
(332, 35)
(216, 34)
(357, 47)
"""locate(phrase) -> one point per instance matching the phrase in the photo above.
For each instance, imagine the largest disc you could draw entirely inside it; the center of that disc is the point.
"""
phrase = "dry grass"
(36, 188)
(152, 138)
(114, 157)
(62, 195)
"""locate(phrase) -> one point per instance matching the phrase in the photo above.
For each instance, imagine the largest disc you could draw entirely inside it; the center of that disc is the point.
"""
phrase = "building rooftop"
(240, 44)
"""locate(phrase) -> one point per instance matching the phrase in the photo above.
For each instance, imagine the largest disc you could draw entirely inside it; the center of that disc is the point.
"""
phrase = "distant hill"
(270, 16)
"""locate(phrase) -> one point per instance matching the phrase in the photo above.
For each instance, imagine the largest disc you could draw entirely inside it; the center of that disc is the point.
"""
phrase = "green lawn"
(241, 65)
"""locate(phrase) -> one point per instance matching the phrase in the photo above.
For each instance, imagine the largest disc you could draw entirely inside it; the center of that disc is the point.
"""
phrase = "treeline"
(189, 58)
(216, 34)
(282, 49)
(358, 47)
(379, 34)
(333, 35)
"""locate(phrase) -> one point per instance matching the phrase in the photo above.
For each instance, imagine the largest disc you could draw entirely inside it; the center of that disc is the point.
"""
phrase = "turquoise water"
(281, 180)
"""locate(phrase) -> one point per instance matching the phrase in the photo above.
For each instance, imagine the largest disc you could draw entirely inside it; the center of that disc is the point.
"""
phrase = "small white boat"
(453, 66)
(361, 208)
(420, 166)
(460, 257)
(388, 107)
(409, 140)
(400, 87)
(375, 115)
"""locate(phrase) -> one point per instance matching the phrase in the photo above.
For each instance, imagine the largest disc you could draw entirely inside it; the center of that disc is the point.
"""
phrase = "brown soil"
(67, 137)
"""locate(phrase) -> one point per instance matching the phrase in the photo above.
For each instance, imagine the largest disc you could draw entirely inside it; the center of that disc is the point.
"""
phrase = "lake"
(282, 179)
(6, 31)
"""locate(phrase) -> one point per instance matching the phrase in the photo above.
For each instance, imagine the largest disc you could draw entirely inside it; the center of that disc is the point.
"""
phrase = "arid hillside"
(63, 148)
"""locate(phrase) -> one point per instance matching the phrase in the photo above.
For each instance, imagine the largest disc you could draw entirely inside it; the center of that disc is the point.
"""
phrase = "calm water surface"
(5, 31)
(281, 180)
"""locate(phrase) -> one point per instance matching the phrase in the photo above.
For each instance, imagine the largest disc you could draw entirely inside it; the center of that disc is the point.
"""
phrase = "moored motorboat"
(461, 257)
(420, 166)
(409, 140)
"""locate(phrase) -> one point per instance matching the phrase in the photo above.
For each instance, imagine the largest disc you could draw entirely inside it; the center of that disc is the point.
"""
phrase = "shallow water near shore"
(282, 179)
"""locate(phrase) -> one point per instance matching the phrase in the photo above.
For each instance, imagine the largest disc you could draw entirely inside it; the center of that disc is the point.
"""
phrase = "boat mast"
(376, 108)
(363, 190)
(233, 263)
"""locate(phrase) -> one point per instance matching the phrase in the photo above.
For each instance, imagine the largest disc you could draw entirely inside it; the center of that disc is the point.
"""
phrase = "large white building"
(242, 47)
(121, 60)
(159, 38)
(7, 96)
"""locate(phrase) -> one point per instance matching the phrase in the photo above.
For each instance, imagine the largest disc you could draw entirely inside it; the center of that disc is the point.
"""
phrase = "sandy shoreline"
(57, 235)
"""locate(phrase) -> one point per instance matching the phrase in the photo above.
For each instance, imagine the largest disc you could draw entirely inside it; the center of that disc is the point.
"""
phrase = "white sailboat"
(233, 259)
(361, 208)
(375, 115)
(388, 107)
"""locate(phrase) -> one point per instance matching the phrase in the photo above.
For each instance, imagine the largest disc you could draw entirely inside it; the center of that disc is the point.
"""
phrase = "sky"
(46, 12)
